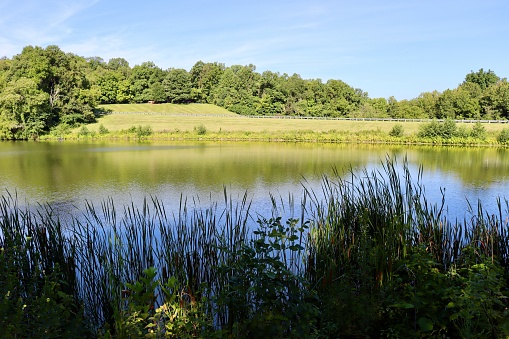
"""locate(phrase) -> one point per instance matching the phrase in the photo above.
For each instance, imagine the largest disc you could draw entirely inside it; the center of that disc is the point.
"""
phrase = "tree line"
(41, 88)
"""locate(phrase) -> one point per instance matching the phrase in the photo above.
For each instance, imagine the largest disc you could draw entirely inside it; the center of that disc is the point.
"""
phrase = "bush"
(60, 130)
(396, 131)
(141, 131)
(144, 131)
(446, 129)
(83, 132)
(103, 130)
(200, 129)
(478, 131)
(503, 137)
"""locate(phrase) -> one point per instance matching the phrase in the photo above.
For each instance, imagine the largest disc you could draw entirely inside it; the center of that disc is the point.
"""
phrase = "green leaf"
(425, 324)
(454, 316)
(403, 305)
(271, 275)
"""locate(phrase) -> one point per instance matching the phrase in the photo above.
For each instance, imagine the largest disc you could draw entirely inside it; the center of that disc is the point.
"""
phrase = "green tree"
(205, 78)
(177, 86)
(428, 101)
(482, 78)
(293, 88)
(24, 107)
(109, 87)
(495, 101)
(157, 93)
(236, 89)
(142, 78)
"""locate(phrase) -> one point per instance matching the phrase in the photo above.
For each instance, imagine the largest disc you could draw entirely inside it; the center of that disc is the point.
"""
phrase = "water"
(67, 174)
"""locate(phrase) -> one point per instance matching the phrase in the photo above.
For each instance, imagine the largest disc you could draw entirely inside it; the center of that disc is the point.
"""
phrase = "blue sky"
(390, 47)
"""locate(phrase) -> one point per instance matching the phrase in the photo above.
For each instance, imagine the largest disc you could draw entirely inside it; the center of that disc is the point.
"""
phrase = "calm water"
(67, 174)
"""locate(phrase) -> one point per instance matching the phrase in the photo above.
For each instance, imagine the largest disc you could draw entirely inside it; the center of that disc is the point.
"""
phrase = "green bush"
(200, 129)
(144, 131)
(141, 131)
(503, 137)
(60, 130)
(478, 131)
(265, 298)
(103, 130)
(396, 131)
(434, 129)
(83, 131)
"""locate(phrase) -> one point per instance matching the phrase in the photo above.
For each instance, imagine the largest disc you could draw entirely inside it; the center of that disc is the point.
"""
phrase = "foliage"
(102, 130)
(503, 136)
(445, 130)
(465, 301)
(43, 87)
(200, 129)
(482, 78)
(263, 296)
(369, 258)
(478, 131)
(396, 131)
(83, 131)
(141, 131)
(60, 130)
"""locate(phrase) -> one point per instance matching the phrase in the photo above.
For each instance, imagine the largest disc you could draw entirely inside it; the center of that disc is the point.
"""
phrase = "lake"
(67, 174)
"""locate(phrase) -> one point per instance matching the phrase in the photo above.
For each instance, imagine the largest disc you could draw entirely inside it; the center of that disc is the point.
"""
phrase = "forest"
(41, 88)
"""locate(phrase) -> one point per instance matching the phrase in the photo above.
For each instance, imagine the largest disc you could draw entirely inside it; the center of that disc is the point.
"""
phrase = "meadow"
(174, 117)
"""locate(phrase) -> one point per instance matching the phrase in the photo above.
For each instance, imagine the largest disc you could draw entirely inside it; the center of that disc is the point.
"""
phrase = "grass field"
(171, 117)
(199, 109)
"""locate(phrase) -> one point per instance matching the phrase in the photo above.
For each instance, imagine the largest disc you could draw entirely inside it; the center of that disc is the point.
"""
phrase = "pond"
(67, 174)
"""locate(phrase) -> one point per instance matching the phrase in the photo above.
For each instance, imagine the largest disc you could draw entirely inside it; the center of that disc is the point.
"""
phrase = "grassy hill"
(182, 118)
(199, 109)
(171, 117)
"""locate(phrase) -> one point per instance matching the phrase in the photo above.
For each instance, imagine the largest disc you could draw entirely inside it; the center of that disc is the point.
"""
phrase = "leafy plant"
(503, 137)
(84, 131)
(200, 129)
(478, 131)
(264, 297)
(103, 130)
(396, 131)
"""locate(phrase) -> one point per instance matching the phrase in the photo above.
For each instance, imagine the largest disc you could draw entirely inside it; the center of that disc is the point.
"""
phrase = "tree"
(293, 88)
(60, 75)
(157, 93)
(205, 78)
(142, 78)
(235, 90)
(109, 86)
(495, 101)
(427, 101)
(482, 78)
(177, 86)
(24, 108)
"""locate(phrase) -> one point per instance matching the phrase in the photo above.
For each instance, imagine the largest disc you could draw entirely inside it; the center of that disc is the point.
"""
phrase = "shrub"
(141, 131)
(200, 129)
(265, 298)
(83, 132)
(144, 131)
(503, 137)
(478, 131)
(60, 130)
(103, 130)
(396, 131)
(446, 129)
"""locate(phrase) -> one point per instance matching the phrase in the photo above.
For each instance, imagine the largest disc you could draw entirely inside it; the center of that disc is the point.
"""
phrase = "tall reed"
(361, 227)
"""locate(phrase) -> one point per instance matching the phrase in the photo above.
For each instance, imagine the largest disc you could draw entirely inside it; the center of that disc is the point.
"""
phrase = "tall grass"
(243, 269)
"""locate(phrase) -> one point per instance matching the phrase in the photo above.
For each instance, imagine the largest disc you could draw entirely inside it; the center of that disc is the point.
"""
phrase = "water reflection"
(68, 173)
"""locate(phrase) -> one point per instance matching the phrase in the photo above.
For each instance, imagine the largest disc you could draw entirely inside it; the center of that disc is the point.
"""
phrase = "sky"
(397, 48)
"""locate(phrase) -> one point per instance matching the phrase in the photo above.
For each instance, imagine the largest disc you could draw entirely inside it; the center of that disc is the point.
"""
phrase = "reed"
(238, 272)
